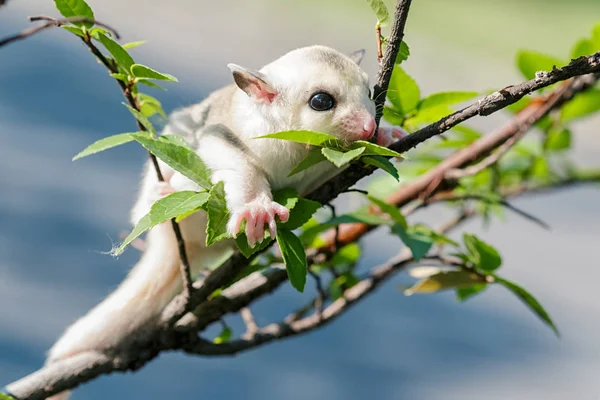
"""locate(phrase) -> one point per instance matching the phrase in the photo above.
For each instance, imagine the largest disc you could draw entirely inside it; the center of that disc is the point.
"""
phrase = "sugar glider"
(312, 88)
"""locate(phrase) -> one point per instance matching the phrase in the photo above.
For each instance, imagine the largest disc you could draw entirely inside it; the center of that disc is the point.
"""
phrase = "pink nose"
(368, 127)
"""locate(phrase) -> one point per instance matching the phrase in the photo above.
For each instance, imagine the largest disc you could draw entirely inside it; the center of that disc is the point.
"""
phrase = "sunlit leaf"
(308, 137)
(403, 91)
(481, 254)
(529, 62)
(142, 71)
(582, 105)
(75, 8)
(224, 336)
(558, 140)
(163, 210)
(341, 158)
(444, 280)
(380, 10)
(120, 55)
(107, 143)
(218, 215)
(445, 99)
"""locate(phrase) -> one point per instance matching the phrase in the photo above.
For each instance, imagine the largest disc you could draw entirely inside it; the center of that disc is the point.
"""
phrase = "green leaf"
(419, 243)
(529, 300)
(181, 159)
(394, 117)
(372, 149)
(294, 258)
(218, 215)
(558, 140)
(177, 140)
(107, 143)
(150, 105)
(390, 210)
(141, 118)
(465, 293)
(75, 8)
(540, 169)
(164, 209)
(120, 55)
(340, 158)
(287, 197)
(131, 45)
(582, 105)
(6, 397)
(242, 243)
(95, 31)
(74, 29)
(149, 83)
(444, 280)
(347, 255)
(403, 91)
(380, 10)
(481, 254)
(445, 99)
(142, 71)
(314, 157)
(530, 62)
(224, 336)
(382, 163)
(301, 213)
(307, 137)
(403, 53)
(427, 116)
(342, 283)
(120, 77)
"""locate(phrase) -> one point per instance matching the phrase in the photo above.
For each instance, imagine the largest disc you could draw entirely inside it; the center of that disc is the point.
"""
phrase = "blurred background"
(58, 217)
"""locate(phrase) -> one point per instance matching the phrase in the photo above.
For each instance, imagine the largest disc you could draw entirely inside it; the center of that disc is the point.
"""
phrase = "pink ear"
(253, 83)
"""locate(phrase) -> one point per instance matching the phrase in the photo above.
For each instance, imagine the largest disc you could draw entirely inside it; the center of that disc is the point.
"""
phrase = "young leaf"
(445, 99)
(120, 55)
(465, 293)
(529, 300)
(74, 29)
(314, 157)
(308, 137)
(224, 336)
(141, 118)
(582, 105)
(481, 254)
(181, 159)
(340, 158)
(107, 143)
(403, 92)
(218, 215)
(301, 213)
(149, 83)
(164, 209)
(372, 149)
(120, 77)
(391, 210)
(382, 163)
(583, 47)
(444, 280)
(131, 45)
(150, 105)
(530, 62)
(142, 71)
(380, 10)
(75, 8)
(294, 258)
(403, 53)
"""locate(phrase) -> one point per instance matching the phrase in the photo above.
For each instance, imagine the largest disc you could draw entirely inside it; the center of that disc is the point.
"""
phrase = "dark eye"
(321, 102)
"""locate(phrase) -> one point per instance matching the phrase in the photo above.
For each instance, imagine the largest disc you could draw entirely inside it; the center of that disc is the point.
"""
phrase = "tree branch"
(51, 23)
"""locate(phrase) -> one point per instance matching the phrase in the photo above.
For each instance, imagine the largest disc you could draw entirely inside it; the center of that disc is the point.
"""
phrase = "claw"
(257, 213)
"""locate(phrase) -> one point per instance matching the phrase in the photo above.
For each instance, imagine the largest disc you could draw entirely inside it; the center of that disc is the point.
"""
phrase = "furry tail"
(139, 299)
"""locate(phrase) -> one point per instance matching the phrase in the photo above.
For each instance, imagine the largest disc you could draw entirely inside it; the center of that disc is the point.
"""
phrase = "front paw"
(257, 213)
(387, 135)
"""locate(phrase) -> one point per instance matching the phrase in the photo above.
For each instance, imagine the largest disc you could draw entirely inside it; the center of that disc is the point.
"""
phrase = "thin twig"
(378, 41)
(51, 23)
(127, 92)
(321, 295)
(251, 326)
(389, 60)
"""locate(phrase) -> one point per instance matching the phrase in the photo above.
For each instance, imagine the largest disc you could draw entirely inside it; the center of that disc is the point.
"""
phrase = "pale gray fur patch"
(183, 123)
(333, 59)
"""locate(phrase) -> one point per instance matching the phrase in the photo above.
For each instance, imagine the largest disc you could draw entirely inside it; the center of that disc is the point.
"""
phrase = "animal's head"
(313, 88)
